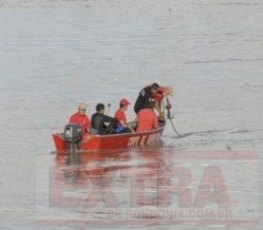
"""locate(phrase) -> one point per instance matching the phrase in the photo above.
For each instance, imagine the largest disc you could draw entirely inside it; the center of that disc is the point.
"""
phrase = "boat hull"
(116, 141)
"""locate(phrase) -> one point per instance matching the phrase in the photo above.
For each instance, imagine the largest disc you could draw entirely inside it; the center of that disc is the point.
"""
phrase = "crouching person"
(147, 119)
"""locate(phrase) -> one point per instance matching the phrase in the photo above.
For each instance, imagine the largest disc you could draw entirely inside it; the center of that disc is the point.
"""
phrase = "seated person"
(100, 123)
(81, 118)
(120, 116)
(147, 119)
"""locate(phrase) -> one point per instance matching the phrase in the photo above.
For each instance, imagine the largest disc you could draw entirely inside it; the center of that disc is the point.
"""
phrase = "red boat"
(113, 141)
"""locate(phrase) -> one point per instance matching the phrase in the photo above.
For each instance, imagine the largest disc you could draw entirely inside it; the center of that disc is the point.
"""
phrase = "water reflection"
(111, 179)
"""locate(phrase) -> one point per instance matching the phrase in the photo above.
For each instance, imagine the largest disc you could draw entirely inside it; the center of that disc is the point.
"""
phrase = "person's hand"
(161, 116)
(88, 137)
(168, 105)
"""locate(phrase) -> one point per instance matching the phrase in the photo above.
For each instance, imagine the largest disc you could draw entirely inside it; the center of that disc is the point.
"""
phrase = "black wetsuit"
(143, 100)
(98, 121)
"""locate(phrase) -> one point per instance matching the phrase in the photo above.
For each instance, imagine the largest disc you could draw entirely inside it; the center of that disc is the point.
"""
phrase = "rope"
(168, 107)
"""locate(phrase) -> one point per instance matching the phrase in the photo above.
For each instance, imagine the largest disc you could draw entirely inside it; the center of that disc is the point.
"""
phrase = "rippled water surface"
(55, 54)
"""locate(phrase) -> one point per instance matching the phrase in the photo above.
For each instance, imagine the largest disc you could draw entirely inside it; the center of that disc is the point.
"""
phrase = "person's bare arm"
(123, 123)
(158, 107)
(156, 123)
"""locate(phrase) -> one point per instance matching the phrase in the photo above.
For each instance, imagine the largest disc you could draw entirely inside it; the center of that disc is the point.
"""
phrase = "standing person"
(81, 118)
(101, 123)
(147, 119)
(145, 95)
(149, 93)
(159, 96)
(120, 116)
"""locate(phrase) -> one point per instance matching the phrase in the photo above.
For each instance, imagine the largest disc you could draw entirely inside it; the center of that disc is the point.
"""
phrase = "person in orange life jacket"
(147, 119)
(120, 116)
(149, 93)
(81, 118)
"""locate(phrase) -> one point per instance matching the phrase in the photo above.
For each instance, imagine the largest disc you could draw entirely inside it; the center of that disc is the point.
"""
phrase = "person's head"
(124, 103)
(100, 108)
(82, 108)
(154, 87)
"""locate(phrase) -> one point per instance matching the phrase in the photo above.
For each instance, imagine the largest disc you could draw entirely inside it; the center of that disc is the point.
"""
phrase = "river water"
(56, 53)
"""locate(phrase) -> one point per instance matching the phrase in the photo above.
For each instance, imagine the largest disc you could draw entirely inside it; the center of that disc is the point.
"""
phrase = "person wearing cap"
(120, 113)
(120, 116)
(81, 118)
(147, 119)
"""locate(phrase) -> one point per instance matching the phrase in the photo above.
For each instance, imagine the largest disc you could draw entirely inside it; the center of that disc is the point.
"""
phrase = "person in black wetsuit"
(146, 95)
(102, 124)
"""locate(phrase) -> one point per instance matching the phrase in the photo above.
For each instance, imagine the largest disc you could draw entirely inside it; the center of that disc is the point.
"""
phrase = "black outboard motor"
(73, 136)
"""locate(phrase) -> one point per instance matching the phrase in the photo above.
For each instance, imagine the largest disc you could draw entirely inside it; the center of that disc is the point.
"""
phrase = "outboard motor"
(73, 136)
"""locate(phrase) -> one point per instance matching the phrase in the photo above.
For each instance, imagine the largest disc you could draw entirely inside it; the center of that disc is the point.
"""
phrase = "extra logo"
(150, 186)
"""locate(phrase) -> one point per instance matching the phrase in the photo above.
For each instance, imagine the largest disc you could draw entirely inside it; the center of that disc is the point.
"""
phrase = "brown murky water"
(54, 54)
